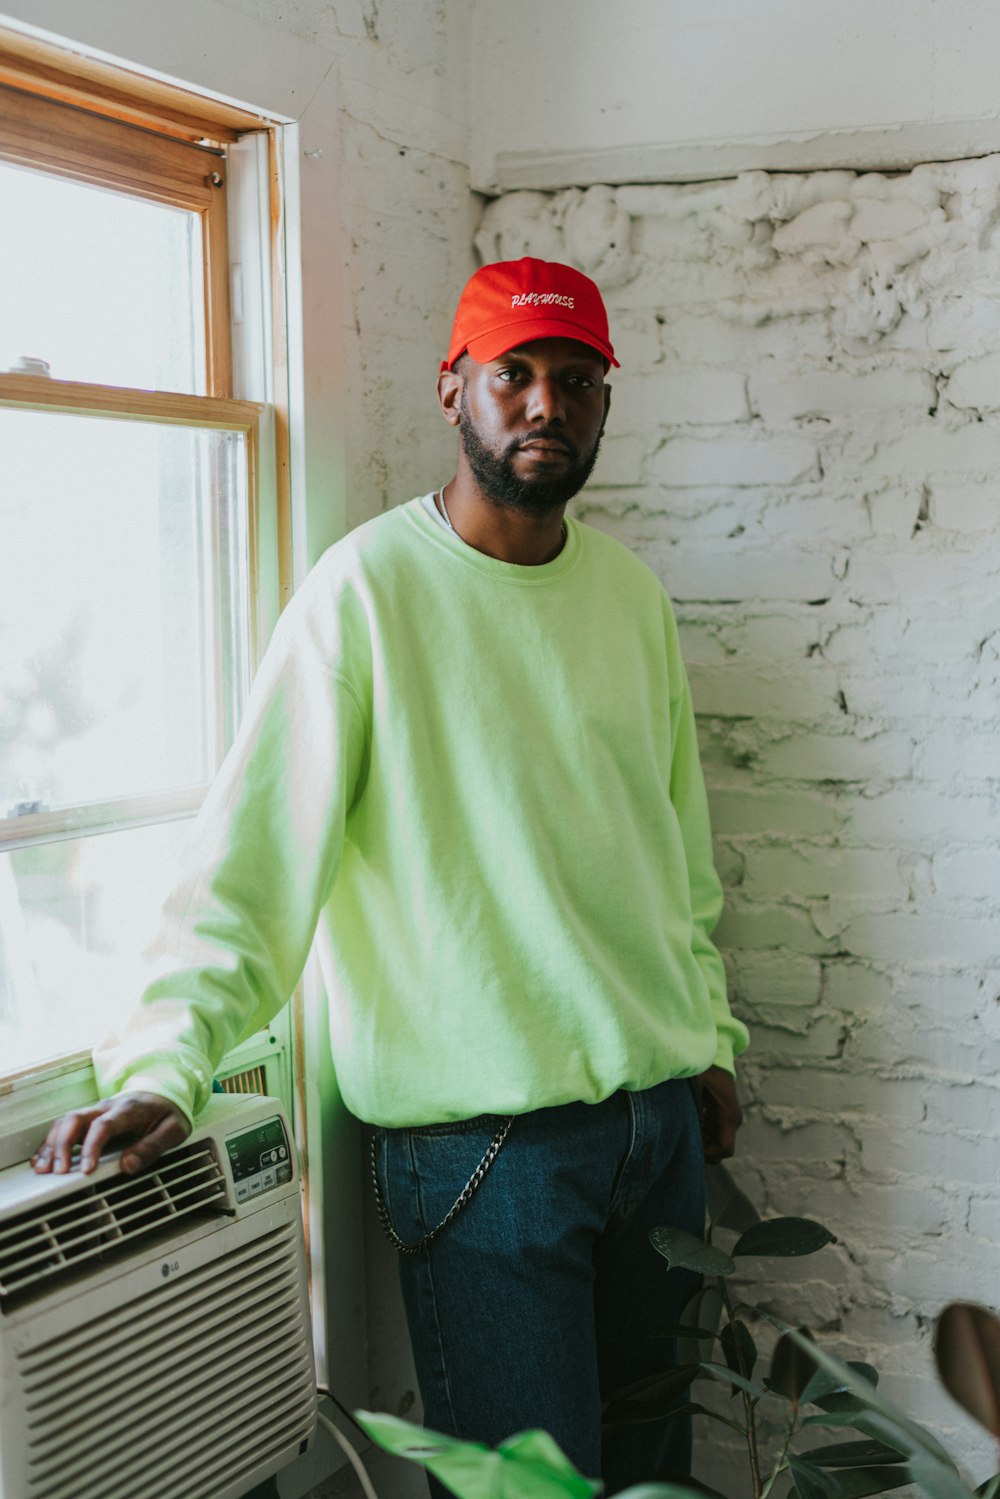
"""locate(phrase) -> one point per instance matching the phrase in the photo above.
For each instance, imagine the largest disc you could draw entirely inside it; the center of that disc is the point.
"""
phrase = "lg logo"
(169, 1267)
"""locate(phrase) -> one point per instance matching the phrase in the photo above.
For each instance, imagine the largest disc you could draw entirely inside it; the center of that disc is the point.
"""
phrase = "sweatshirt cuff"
(166, 1084)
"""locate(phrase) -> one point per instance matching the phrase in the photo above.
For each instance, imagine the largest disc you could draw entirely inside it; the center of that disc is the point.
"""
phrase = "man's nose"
(545, 400)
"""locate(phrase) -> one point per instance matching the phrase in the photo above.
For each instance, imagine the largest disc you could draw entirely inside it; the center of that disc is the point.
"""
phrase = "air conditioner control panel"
(260, 1159)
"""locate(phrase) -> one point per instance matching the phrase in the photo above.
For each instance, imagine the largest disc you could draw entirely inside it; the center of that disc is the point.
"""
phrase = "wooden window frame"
(69, 141)
(79, 118)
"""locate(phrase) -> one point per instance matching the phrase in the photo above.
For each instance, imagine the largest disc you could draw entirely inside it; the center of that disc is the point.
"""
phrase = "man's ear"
(607, 406)
(450, 385)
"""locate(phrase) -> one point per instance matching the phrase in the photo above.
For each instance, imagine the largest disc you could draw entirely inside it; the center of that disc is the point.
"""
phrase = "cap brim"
(527, 330)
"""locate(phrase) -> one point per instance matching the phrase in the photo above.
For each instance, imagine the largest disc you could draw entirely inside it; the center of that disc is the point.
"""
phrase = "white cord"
(352, 1456)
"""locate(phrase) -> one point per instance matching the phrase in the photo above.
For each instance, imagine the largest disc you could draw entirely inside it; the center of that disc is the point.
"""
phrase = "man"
(469, 766)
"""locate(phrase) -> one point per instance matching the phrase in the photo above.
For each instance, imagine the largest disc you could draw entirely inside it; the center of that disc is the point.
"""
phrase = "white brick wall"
(804, 444)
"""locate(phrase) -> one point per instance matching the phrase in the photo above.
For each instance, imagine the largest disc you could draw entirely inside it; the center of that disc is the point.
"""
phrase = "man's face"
(530, 422)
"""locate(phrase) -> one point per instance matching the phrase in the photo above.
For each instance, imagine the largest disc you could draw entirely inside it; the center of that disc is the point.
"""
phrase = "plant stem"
(749, 1404)
(779, 1465)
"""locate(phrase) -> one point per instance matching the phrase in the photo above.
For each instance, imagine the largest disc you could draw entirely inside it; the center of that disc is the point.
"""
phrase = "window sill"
(30, 1100)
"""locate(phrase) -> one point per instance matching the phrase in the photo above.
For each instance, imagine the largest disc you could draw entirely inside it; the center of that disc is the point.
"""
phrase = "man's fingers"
(144, 1152)
(56, 1151)
(145, 1116)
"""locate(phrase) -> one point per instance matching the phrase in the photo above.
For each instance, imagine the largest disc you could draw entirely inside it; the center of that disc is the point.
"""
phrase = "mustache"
(543, 434)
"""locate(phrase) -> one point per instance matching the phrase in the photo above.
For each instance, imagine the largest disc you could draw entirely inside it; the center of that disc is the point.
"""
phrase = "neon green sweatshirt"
(478, 785)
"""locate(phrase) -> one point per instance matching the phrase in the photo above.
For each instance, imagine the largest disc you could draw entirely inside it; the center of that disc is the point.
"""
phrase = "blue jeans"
(544, 1296)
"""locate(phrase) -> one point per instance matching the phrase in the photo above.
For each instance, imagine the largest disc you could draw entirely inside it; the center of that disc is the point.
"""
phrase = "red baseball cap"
(515, 301)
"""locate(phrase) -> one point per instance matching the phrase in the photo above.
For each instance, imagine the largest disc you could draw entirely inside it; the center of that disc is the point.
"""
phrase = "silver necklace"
(444, 511)
(439, 497)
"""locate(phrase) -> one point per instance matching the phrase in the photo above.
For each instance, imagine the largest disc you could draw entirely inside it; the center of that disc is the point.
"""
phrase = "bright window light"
(103, 287)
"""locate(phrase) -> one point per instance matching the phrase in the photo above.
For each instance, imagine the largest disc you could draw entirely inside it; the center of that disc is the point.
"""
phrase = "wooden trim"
(118, 92)
(279, 345)
(253, 543)
(218, 320)
(164, 406)
(39, 133)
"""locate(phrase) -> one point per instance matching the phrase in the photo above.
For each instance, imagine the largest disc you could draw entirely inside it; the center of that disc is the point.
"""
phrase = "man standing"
(469, 767)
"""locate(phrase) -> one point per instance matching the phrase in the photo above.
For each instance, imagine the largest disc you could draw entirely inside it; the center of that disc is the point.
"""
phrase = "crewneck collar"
(507, 572)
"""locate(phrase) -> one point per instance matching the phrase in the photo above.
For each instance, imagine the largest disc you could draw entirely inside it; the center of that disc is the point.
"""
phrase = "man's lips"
(545, 445)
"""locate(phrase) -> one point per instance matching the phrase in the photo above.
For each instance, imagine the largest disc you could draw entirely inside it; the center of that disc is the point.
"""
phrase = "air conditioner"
(154, 1330)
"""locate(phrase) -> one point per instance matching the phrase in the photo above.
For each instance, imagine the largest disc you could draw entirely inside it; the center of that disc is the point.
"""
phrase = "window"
(130, 509)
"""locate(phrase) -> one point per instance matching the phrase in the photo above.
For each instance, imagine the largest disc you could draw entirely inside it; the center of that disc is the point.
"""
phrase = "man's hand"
(721, 1115)
(153, 1124)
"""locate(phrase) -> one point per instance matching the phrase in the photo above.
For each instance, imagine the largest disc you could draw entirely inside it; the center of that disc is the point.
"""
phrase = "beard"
(494, 472)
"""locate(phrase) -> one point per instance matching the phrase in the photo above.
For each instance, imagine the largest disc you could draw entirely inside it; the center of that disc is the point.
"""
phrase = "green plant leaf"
(864, 1420)
(937, 1479)
(728, 1206)
(705, 1308)
(853, 1455)
(967, 1351)
(792, 1367)
(651, 1398)
(846, 1483)
(811, 1482)
(683, 1251)
(784, 1237)
(990, 1489)
(739, 1347)
(897, 1428)
(730, 1376)
(824, 1388)
(527, 1466)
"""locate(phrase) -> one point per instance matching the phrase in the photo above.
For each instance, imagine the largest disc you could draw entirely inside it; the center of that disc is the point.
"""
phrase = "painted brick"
(931, 448)
(926, 1281)
(831, 516)
(968, 508)
(785, 980)
(620, 461)
(784, 1047)
(674, 398)
(838, 757)
(828, 1143)
(893, 1152)
(916, 816)
(984, 1218)
(737, 576)
(769, 926)
(959, 751)
(734, 691)
(822, 872)
(892, 937)
(894, 511)
(968, 874)
(684, 462)
(754, 812)
(830, 394)
(975, 384)
(972, 1106)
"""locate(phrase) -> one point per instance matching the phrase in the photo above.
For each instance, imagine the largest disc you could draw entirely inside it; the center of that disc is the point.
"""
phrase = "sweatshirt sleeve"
(687, 792)
(264, 851)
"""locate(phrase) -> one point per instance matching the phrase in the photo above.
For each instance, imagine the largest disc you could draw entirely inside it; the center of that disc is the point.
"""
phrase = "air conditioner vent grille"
(82, 1229)
(233, 1382)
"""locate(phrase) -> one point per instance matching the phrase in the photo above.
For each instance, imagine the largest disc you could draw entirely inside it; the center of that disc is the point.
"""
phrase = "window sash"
(48, 136)
(38, 393)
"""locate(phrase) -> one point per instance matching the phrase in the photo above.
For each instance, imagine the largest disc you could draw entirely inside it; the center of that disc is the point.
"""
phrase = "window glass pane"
(74, 917)
(124, 648)
(105, 288)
